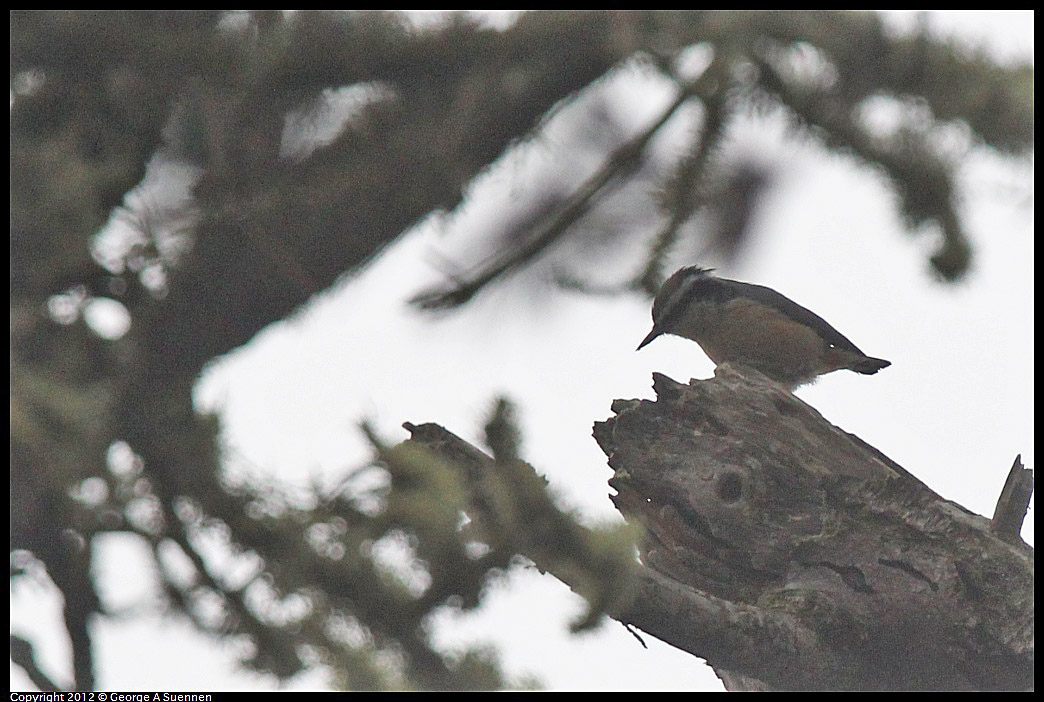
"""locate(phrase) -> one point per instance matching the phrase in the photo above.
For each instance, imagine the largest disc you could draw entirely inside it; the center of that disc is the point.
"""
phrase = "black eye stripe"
(691, 289)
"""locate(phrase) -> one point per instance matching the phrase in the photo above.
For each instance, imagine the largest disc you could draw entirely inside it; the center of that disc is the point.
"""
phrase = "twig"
(625, 159)
(1013, 502)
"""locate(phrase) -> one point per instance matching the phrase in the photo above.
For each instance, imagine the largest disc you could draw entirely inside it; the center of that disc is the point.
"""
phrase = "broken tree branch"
(809, 559)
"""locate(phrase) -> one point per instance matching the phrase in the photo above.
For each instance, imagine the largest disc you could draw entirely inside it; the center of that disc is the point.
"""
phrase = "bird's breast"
(757, 335)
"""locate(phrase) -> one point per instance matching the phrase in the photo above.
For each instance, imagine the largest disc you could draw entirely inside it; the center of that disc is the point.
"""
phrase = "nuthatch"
(755, 326)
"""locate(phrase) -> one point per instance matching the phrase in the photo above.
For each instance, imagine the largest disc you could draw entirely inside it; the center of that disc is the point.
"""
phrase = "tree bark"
(792, 555)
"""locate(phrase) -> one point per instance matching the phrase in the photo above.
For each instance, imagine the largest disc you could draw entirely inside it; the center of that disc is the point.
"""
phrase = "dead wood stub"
(752, 501)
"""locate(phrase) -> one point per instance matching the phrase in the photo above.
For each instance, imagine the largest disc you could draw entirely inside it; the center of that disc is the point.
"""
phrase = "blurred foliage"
(279, 204)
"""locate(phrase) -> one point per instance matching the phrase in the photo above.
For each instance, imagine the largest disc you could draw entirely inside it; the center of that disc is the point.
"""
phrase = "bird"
(755, 326)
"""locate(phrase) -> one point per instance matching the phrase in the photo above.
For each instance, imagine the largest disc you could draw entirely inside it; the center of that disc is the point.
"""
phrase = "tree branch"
(799, 558)
(1013, 502)
(793, 556)
(23, 656)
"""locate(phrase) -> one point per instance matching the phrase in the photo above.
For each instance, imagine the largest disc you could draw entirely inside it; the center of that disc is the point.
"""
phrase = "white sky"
(955, 407)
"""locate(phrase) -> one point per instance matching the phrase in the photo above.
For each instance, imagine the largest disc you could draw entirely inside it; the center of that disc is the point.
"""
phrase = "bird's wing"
(793, 310)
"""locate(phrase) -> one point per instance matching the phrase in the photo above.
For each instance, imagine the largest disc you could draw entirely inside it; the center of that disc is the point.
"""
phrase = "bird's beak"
(652, 335)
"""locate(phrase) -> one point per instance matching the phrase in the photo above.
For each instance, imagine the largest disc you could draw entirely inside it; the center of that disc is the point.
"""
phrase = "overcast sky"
(955, 407)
